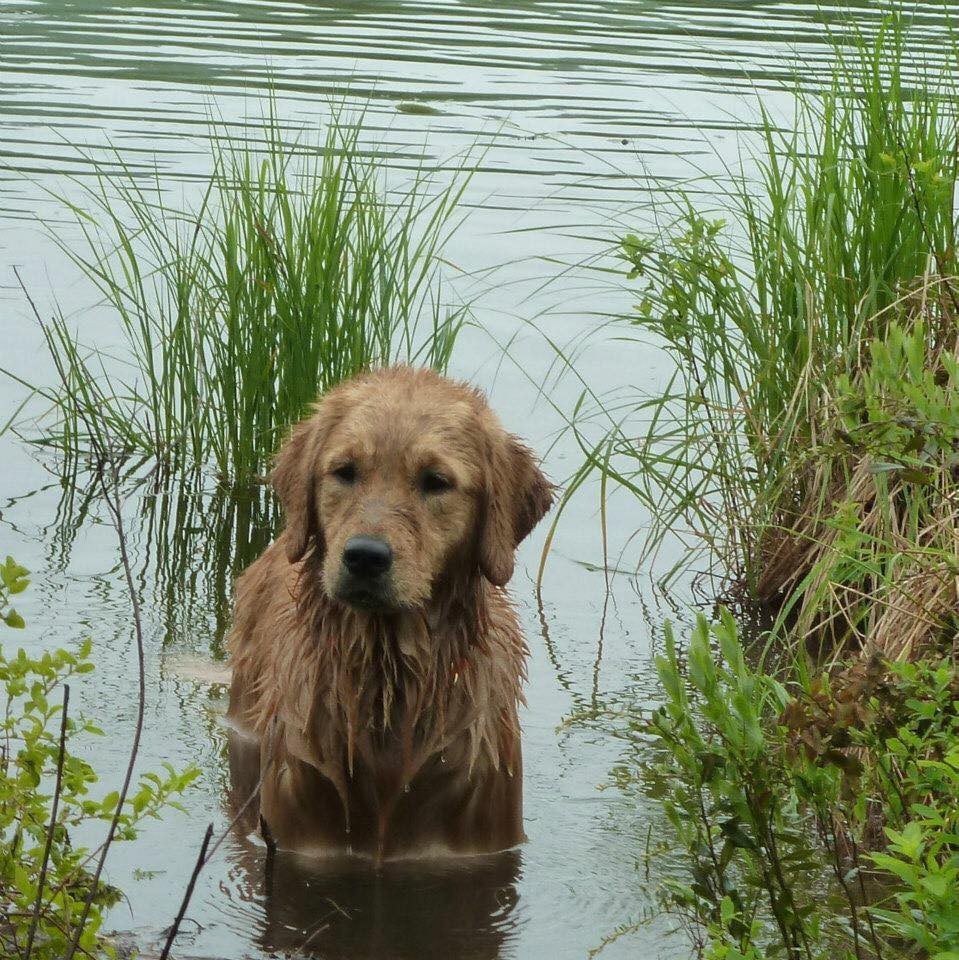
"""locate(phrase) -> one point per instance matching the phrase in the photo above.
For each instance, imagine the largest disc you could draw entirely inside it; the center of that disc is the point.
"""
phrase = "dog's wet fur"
(377, 660)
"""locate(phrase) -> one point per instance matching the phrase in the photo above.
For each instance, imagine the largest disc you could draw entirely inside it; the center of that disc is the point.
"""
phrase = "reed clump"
(862, 546)
(295, 269)
(806, 444)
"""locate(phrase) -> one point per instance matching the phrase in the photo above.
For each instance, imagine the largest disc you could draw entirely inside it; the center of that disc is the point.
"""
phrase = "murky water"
(570, 106)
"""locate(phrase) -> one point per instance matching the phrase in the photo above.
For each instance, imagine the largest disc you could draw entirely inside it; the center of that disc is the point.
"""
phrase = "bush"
(753, 877)
(46, 796)
(772, 797)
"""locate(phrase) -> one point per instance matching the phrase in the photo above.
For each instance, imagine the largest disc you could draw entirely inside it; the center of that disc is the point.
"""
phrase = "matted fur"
(392, 731)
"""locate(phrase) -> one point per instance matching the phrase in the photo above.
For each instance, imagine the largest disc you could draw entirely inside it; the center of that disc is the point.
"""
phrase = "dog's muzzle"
(364, 580)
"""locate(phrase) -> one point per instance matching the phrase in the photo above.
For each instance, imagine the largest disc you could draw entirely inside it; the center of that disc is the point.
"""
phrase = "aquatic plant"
(294, 270)
(49, 898)
(805, 445)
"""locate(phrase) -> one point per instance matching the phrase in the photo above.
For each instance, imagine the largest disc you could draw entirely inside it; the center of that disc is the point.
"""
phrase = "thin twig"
(254, 793)
(322, 926)
(198, 866)
(207, 853)
(53, 824)
(114, 507)
(865, 899)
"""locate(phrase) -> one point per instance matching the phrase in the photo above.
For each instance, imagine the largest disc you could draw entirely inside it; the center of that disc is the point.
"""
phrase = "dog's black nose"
(367, 556)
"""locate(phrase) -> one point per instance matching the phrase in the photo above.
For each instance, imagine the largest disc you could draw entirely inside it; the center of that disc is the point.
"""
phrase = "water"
(571, 106)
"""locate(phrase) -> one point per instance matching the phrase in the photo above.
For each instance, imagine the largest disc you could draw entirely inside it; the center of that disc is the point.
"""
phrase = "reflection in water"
(200, 540)
(194, 537)
(460, 908)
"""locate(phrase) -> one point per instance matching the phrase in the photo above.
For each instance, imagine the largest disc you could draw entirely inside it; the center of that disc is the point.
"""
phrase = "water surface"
(575, 109)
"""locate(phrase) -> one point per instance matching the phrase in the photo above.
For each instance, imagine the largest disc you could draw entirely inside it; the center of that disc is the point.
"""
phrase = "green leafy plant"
(913, 753)
(13, 580)
(772, 796)
(924, 859)
(753, 875)
(46, 796)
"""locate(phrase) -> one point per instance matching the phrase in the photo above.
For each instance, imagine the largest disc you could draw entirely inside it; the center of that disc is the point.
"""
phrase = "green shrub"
(752, 879)
(771, 799)
(913, 750)
(46, 796)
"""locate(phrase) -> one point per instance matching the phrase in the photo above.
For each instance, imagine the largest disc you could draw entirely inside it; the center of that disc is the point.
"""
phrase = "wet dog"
(377, 660)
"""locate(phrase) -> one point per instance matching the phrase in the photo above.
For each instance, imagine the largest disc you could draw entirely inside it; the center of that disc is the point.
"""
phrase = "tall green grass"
(294, 270)
(837, 241)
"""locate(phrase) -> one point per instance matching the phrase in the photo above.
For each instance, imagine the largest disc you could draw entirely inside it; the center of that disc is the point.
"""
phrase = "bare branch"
(200, 861)
(53, 824)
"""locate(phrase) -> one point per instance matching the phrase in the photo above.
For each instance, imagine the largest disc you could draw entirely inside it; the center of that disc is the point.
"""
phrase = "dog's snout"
(367, 556)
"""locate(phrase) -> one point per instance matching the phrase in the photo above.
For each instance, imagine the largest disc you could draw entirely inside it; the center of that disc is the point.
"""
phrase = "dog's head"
(400, 478)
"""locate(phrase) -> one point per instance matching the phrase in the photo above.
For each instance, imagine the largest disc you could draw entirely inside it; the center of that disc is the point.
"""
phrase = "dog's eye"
(346, 473)
(433, 482)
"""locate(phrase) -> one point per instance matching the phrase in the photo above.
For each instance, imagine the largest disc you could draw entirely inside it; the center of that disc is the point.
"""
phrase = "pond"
(575, 112)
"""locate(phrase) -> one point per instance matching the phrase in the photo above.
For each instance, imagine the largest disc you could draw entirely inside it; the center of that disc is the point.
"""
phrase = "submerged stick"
(207, 853)
(188, 893)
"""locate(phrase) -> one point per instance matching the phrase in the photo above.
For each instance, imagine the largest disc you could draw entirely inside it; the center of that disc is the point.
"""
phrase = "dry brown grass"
(862, 553)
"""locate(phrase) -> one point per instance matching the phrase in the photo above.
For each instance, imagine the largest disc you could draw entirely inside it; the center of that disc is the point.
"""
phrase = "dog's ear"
(517, 496)
(294, 479)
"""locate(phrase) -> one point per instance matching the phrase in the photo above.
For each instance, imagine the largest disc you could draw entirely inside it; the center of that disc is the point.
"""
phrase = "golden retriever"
(377, 660)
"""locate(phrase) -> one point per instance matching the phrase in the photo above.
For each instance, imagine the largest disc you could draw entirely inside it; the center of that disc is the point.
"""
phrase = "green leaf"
(733, 831)
(937, 885)
(14, 576)
(898, 868)
(13, 619)
(913, 475)
(880, 466)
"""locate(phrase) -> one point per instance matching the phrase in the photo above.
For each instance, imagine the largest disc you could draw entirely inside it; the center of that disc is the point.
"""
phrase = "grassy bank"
(807, 451)
(812, 323)
(294, 270)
